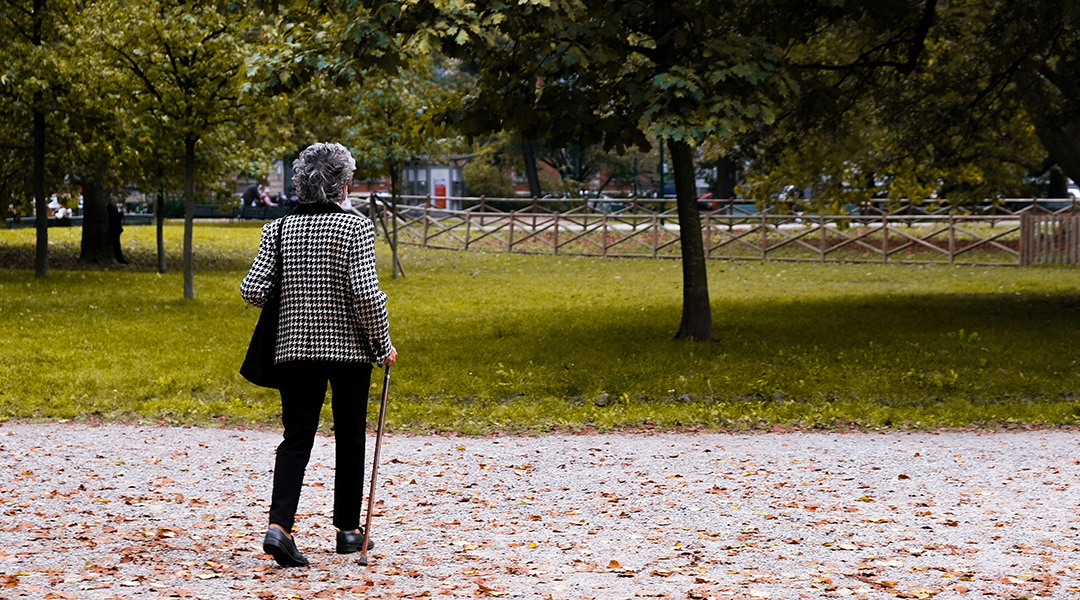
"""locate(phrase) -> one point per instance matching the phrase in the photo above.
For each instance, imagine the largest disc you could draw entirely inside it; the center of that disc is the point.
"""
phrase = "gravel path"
(148, 512)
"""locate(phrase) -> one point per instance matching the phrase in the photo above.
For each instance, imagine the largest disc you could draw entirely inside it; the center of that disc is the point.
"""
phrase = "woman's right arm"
(257, 284)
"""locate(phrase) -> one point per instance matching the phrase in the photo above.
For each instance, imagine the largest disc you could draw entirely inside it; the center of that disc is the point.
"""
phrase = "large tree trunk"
(96, 247)
(1059, 185)
(1055, 113)
(189, 216)
(159, 219)
(41, 221)
(696, 313)
(528, 153)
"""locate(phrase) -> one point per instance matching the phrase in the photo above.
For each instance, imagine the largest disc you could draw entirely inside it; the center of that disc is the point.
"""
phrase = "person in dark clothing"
(250, 197)
(116, 227)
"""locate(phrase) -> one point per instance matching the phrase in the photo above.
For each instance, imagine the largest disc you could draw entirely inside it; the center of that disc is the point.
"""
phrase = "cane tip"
(363, 561)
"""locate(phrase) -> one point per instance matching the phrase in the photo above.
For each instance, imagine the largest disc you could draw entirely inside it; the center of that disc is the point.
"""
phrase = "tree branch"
(917, 41)
(137, 70)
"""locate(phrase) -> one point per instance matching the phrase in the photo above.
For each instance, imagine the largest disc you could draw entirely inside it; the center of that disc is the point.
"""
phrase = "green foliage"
(493, 341)
(483, 178)
(395, 119)
(561, 187)
(964, 113)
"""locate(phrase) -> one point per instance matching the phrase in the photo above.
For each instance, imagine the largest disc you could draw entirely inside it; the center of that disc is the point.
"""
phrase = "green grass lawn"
(494, 342)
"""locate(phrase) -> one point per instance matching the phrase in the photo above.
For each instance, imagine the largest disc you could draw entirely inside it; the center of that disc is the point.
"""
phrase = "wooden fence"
(991, 234)
(1053, 238)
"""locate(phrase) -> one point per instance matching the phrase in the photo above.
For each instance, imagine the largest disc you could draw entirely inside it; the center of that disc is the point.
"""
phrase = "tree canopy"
(979, 95)
(908, 98)
(194, 71)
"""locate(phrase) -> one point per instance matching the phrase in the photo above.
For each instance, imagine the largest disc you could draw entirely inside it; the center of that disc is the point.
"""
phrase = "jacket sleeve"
(257, 284)
(369, 301)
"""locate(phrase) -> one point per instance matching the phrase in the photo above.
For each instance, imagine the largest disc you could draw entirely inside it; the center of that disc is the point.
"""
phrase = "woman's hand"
(389, 360)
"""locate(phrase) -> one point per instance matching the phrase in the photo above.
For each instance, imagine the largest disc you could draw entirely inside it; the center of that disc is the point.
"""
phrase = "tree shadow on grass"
(65, 256)
(980, 346)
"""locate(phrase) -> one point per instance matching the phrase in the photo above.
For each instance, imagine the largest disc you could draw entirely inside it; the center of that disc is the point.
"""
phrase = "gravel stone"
(120, 511)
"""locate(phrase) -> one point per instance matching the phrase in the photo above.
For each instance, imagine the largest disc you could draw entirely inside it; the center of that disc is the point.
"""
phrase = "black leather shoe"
(283, 549)
(348, 542)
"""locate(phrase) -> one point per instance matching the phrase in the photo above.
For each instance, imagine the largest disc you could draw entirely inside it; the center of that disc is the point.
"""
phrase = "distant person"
(332, 327)
(116, 227)
(290, 200)
(264, 196)
(250, 196)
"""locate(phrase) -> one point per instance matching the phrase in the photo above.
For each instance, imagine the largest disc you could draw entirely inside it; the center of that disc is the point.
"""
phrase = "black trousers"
(118, 251)
(301, 402)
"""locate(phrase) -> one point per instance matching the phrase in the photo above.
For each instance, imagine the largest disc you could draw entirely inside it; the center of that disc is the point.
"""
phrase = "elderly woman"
(332, 328)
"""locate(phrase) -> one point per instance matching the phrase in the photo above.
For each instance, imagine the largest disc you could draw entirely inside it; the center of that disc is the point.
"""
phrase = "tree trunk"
(96, 246)
(189, 216)
(528, 153)
(725, 178)
(41, 221)
(287, 173)
(159, 218)
(696, 313)
(1055, 116)
(1059, 185)
(395, 185)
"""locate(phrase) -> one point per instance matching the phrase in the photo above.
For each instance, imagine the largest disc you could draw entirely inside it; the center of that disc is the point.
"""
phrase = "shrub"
(483, 178)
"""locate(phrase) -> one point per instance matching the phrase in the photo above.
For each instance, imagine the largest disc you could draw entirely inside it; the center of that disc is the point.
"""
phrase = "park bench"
(211, 211)
(265, 213)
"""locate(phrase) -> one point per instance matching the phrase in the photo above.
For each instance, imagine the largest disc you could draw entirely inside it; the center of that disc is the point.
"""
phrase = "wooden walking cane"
(375, 467)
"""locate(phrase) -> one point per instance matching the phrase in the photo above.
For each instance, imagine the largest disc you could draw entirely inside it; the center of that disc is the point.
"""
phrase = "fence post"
(1072, 227)
(1025, 239)
(655, 235)
(468, 223)
(510, 238)
(427, 217)
(603, 237)
(952, 238)
(1072, 222)
(1054, 235)
(884, 238)
(555, 248)
(535, 209)
(764, 237)
(822, 241)
(706, 231)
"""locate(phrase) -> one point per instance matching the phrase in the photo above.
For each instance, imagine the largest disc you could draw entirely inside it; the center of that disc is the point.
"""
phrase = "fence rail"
(994, 234)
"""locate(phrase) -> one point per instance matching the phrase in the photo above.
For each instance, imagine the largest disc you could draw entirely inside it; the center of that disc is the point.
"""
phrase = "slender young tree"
(30, 83)
(195, 68)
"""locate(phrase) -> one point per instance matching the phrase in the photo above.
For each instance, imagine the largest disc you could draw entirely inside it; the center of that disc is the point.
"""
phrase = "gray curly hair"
(320, 173)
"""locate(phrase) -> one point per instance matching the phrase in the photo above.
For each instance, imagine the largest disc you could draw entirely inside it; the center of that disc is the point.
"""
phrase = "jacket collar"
(317, 208)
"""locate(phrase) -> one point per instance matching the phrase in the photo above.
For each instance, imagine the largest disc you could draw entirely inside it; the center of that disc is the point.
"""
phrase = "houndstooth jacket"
(331, 305)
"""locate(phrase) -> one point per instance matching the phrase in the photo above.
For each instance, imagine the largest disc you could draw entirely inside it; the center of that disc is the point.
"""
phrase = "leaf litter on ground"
(121, 511)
